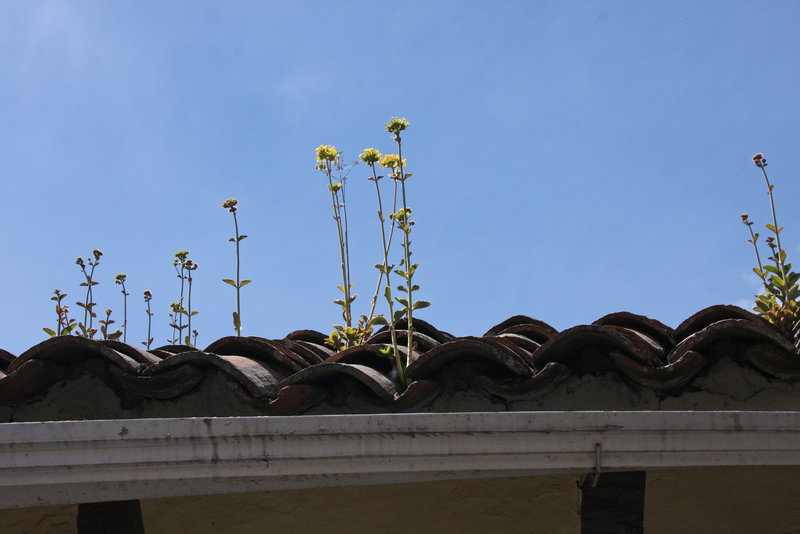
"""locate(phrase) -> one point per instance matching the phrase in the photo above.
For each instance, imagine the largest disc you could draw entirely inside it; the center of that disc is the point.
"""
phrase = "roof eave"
(67, 462)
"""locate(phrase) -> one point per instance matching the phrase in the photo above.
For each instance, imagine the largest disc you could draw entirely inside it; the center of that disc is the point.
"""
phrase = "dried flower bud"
(760, 160)
(334, 187)
(147, 295)
(230, 205)
(79, 261)
(120, 278)
(97, 253)
(745, 216)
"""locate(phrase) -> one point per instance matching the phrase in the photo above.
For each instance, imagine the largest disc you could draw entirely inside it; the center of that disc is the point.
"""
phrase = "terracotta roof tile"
(518, 358)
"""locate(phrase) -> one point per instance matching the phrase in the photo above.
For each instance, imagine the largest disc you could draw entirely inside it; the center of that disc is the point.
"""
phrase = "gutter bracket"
(594, 476)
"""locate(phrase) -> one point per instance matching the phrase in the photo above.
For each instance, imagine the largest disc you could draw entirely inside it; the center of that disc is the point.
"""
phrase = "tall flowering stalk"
(88, 313)
(230, 205)
(120, 279)
(148, 296)
(402, 218)
(780, 302)
(189, 266)
(371, 156)
(178, 263)
(328, 159)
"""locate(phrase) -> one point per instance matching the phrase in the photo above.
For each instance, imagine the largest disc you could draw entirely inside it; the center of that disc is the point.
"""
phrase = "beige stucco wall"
(719, 500)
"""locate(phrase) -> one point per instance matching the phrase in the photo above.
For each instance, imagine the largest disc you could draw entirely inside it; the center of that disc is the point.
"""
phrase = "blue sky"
(570, 159)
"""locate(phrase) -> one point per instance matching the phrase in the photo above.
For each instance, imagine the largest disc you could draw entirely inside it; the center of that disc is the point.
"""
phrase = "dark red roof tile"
(520, 358)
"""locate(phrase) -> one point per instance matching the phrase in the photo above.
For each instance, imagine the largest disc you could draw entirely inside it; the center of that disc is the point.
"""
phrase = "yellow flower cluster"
(396, 125)
(327, 153)
(370, 156)
(391, 161)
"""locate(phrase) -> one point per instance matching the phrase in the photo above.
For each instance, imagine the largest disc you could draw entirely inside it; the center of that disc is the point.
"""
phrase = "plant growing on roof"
(176, 317)
(189, 266)
(120, 279)
(105, 323)
(148, 296)
(64, 324)
(779, 303)
(176, 314)
(402, 218)
(88, 313)
(371, 156)
(230, 205)
(347, 335)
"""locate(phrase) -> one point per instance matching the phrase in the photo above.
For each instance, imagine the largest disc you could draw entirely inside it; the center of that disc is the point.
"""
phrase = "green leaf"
(67, 329)
(237, 324)
(49, 331)
(759, 272)
(244, 283)
(418, 305)
(771, 227)
(242, 236)
(402, 301)
(193, 313)
(229, 282)
(399, 315)
(400, 273)
(402, 288)
(772, 269)
(340, 302)
(341, 288)
(414, 287)
(379, 319)
(385, 350)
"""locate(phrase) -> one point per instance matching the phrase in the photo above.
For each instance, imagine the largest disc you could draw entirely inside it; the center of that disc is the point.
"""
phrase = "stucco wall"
(719, 500)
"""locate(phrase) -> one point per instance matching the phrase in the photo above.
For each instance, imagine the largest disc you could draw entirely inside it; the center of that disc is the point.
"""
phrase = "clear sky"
(570, 159)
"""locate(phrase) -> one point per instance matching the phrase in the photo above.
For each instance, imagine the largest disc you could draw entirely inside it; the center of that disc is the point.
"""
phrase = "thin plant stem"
(337, 216)
(406, 246)
(124, 314)
(779, 255)
(758, 257)
(238, 309)
(149, 321)
(392, 331)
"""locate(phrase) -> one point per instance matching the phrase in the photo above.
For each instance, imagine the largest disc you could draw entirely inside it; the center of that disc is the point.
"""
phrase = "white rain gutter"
(87, 461)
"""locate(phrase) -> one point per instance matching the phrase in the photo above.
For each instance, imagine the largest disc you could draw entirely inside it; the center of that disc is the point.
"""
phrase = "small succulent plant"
(64, 324)
(104, 327)
(780, 302)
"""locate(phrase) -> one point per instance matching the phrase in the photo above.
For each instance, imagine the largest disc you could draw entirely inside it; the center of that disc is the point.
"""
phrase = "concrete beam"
(111, 460)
